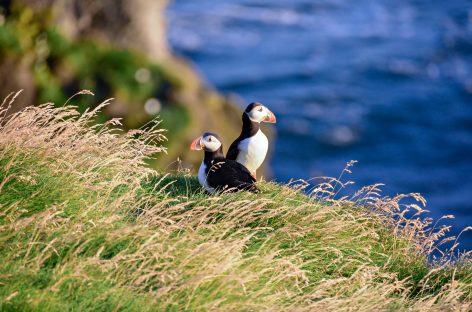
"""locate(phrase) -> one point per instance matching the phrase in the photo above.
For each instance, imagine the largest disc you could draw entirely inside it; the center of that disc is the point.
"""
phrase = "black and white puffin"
(217, 173)
(250, 148)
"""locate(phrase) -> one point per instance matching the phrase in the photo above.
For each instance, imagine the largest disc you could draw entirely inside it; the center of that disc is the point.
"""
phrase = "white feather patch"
(202, 178)
(252, 151)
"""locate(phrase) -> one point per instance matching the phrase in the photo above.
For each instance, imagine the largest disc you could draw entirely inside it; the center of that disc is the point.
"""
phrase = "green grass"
(85, 225)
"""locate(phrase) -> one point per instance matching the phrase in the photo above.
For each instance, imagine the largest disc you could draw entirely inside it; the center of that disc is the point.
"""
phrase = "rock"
(130, 24)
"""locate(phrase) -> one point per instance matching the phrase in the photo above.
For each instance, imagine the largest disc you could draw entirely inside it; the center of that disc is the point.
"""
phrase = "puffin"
(250, 148)
(217, 173)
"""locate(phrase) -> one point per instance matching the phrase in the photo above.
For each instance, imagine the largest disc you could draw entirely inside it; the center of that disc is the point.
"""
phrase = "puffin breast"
(253, 150)
(202, 178)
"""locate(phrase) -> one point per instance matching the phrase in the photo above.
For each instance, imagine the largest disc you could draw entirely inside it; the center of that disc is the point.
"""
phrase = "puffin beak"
(197, 144)
(270, 117)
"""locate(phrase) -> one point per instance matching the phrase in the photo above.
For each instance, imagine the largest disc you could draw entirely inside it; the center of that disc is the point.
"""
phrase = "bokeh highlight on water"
(387, 83)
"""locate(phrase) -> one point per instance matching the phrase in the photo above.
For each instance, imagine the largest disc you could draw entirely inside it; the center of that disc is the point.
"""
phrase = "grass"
(86, 225)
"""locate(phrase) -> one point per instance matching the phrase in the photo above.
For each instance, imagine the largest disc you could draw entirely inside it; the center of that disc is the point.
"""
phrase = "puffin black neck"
(250, 127)
(210, 156)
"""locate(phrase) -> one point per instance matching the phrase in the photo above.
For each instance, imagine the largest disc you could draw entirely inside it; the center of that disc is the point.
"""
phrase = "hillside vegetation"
(85, 224)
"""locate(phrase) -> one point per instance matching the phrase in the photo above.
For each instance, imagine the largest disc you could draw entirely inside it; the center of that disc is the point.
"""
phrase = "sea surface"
(387, 83)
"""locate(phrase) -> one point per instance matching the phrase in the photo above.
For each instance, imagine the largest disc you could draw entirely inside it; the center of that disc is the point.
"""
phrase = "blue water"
(387, 83)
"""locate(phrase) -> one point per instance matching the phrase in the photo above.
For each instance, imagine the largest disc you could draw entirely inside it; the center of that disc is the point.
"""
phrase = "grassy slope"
(84, 225)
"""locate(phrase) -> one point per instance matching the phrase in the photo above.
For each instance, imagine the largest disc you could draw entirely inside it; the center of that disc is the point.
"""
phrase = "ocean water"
(387, 83)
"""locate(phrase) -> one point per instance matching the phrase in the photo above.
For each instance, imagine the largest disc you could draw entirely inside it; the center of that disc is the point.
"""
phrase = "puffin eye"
(209, 139)
(260, 109)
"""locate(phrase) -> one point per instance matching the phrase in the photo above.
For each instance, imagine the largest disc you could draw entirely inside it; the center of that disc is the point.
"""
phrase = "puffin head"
(259, 113)
(209, 142)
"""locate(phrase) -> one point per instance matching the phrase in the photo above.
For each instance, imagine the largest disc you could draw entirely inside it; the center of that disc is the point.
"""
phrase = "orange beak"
(270, 118)
(196, 144)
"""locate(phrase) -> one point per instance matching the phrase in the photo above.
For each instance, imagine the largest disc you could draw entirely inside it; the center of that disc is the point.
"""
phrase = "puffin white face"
(207, 142)
(259, 113)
